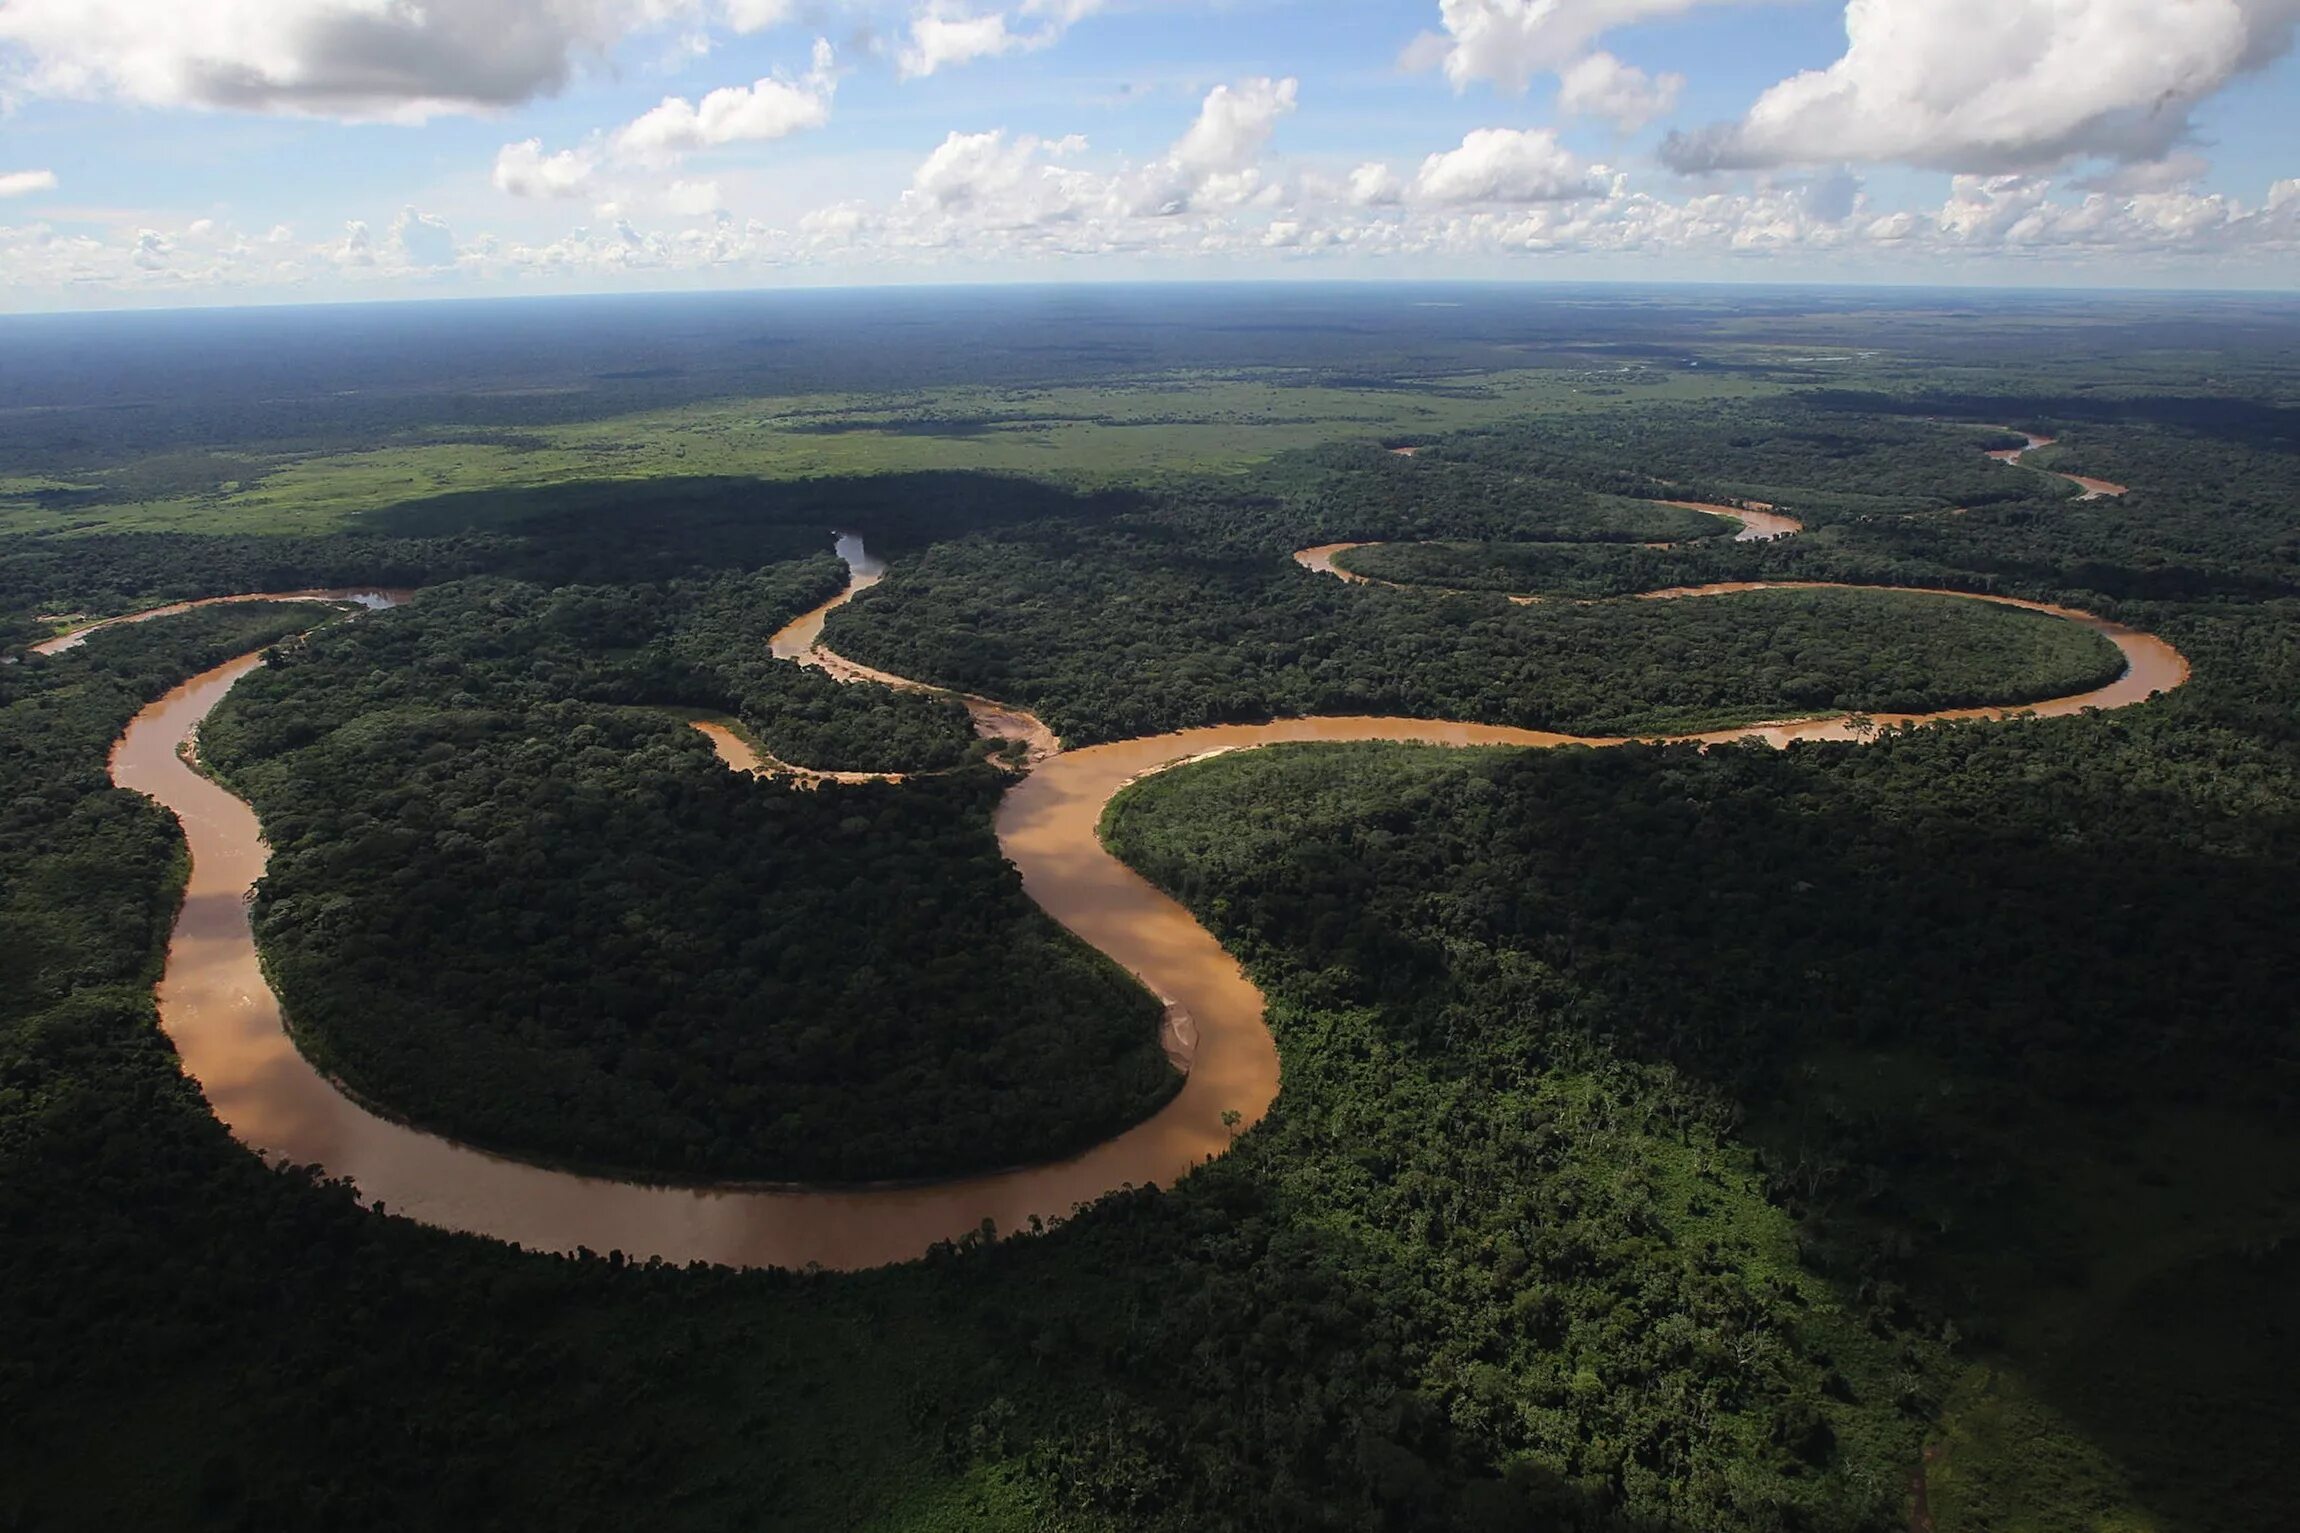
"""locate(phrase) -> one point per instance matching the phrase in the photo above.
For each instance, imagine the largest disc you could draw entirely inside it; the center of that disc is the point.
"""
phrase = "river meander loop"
(225, 1021)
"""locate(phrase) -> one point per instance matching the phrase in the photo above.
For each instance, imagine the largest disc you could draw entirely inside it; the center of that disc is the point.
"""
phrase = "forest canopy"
(1112, 633)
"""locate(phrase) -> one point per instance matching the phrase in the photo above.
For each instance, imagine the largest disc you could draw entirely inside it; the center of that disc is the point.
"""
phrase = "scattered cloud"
(421, 240)
(1234, 125)
(941, 37)
(1507, 43)
(2001, 85)
(771, 108)
(357, 247)
(524, 170)
(993, 200)
(767, 109)
(973, 182)
(836, 225)
(1214, 163)
(1375, 185)
(1502, 165)
(2064, 123)
(1600, 85)
(758, 15)
(948, 33)
(987, 169)
(1501, 193)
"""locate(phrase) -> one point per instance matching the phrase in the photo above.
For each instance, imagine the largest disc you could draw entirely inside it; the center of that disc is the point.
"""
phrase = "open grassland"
(1086, 436)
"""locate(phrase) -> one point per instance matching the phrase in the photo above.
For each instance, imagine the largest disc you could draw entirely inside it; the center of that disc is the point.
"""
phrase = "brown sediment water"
(743, 756)
(1759, 523)
(802, 640)
(2015, 454)
(2094, 489)
(371, 597)
(796, 639)
(1320, 561)
(226, 1024)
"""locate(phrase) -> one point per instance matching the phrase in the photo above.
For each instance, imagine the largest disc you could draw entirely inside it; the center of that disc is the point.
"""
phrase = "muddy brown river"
(2094, 489)
(368, 597)
(226, 1026)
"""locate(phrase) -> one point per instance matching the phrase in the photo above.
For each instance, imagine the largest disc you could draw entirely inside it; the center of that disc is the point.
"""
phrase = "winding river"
(371, 598)
(225, 1021)
(2092, 489)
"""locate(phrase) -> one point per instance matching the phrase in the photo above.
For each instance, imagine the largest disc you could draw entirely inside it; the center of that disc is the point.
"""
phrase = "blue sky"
(182, 151)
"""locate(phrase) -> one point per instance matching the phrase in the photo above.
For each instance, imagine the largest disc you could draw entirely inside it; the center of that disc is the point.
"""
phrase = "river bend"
(225, 1021)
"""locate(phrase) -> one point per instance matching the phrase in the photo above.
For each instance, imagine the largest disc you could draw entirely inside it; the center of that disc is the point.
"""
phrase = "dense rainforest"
(1117, 631)
(1586, 571)
(1976, 1023)
(1671, 1140)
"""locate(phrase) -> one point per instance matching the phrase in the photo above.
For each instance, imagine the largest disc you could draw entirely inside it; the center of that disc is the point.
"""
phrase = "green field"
(1155, 428)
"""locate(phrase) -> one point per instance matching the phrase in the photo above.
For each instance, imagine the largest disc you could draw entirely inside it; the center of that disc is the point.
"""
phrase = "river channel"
(226, 1025)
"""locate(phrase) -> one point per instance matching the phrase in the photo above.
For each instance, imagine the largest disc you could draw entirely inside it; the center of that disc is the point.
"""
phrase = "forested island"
(606, 950)
(1670, 1136)
(1111, 635)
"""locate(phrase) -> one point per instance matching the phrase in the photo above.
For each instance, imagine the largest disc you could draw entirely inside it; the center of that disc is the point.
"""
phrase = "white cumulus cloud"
(970, 169)
(1375, 185)
(22, 183)
(758, 15)
(947, 33)
(1234, 124)
(1507, 43)
(2001, 85)
(993, 180)
(1600, 85)
(940, 38)
(1214, 162)
(997, 200)
(1502, 165)
(350, 58)
(524, 170)
(771, 108)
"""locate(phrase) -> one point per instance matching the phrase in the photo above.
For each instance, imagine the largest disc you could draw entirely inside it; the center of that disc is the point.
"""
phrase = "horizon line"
(1019, 284)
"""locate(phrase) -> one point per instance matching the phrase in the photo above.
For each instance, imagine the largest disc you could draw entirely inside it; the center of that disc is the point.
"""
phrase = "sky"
(170, 152)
